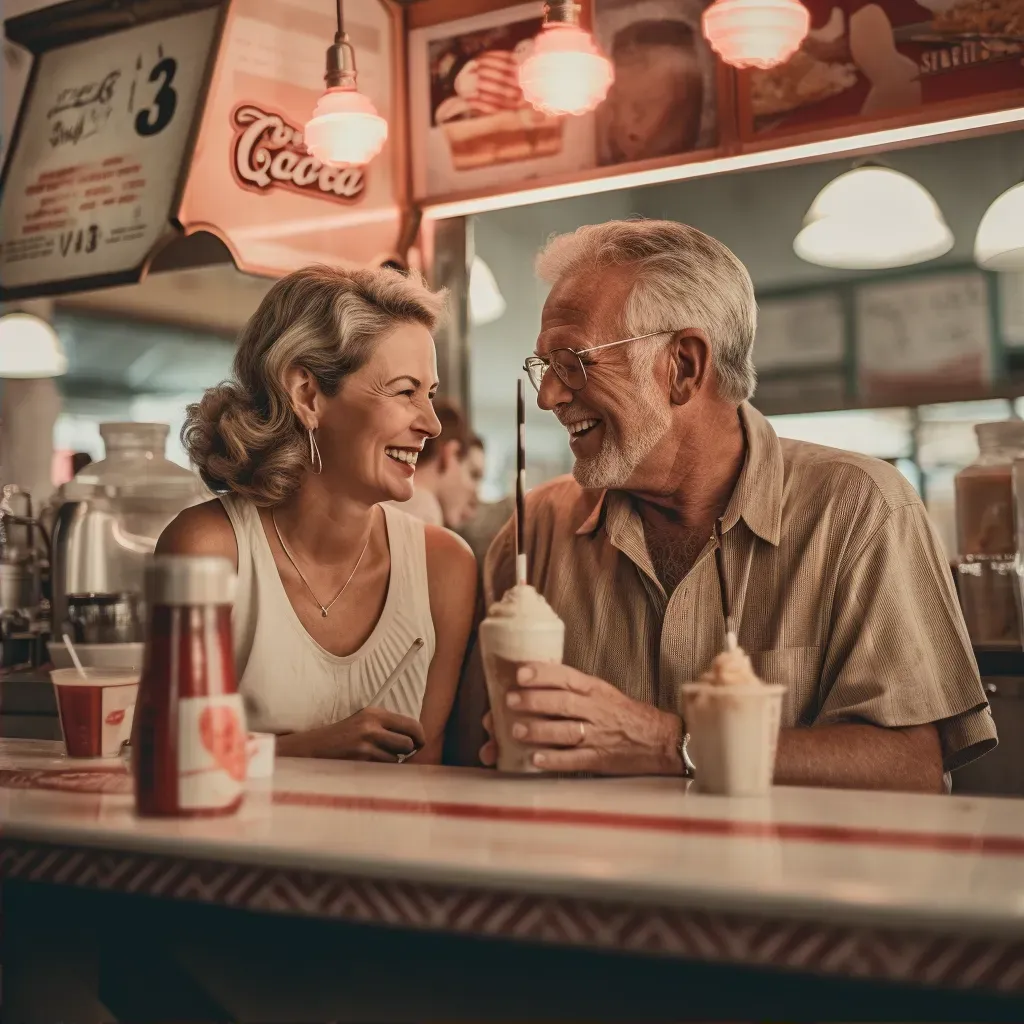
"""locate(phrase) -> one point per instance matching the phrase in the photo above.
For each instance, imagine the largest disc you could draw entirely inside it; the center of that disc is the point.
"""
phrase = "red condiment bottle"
(189, 735)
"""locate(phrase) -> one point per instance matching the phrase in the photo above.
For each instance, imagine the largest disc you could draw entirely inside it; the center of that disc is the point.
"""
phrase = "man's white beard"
(619, 457)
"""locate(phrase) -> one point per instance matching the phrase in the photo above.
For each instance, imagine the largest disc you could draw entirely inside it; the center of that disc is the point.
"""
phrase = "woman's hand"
(372, 734)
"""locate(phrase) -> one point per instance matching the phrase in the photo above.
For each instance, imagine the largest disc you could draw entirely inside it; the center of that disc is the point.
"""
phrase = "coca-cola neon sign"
(268, 152)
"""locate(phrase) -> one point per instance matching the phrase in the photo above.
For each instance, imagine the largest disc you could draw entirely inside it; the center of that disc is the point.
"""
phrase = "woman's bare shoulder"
(447, 550)
(451, 566)
(200, 530)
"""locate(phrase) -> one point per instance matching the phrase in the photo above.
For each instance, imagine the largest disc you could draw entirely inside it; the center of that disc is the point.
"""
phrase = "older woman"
(321, 427)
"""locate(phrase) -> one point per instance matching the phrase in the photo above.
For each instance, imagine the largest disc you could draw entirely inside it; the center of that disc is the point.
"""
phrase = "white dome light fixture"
(486, 303)
(873, 218)
(30, 348)
(999, 244)
(566, 73)
(345, 128)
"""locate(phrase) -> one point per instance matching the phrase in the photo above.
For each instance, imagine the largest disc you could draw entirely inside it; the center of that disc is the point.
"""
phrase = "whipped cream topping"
(731, 668)
(521, 601)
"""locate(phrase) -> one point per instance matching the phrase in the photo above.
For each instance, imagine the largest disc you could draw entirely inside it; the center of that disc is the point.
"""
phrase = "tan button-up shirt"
(835, 573)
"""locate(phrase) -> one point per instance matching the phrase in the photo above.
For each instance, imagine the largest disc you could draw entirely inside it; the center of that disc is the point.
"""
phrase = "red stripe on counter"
(117, 782)
(935, 841)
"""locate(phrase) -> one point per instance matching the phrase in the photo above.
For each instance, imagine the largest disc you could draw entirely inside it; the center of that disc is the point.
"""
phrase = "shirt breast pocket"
(799, 670)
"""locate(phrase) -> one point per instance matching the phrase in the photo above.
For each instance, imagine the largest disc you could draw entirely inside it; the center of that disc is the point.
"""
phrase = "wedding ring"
(583, 733)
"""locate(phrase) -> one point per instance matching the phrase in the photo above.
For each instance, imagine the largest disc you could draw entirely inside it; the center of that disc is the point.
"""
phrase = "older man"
(836, 576)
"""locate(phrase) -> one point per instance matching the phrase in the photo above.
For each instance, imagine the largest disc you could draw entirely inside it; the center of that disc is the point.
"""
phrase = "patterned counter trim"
(820, 947)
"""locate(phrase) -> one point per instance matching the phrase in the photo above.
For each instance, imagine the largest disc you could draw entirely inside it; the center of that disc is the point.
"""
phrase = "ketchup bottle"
(189, 735)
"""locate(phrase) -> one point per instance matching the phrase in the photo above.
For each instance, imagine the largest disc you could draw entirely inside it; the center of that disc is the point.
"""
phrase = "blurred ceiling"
(214, 299)
(116, 358)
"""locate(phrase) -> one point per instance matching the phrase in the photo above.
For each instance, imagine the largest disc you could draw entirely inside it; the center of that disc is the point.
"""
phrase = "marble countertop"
(933, 863)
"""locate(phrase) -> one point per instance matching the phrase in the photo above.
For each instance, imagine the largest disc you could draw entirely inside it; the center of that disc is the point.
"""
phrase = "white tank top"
(288, 681)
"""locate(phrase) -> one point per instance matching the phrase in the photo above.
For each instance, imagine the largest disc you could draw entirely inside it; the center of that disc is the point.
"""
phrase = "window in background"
(127, 371)
(882, 433)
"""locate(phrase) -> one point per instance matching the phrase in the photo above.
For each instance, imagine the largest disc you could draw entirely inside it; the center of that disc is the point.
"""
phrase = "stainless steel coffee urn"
(106, 528)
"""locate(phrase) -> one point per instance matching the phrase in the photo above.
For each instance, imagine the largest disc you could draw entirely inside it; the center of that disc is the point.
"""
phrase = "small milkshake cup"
(733, 721)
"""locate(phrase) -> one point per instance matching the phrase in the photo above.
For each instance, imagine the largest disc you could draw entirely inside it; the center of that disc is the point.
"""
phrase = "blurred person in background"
(448, 472)
(486, 524)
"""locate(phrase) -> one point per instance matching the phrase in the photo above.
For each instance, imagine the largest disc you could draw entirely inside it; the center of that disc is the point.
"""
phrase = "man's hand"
(619, 736)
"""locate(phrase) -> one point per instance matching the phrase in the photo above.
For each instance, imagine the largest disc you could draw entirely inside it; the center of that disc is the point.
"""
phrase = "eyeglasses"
(567, 364)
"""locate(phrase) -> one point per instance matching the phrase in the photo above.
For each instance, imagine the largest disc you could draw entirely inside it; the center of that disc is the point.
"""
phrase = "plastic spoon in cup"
(76, 661)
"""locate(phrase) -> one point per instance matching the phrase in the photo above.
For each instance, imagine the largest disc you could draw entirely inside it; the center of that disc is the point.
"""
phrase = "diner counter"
(813, 880)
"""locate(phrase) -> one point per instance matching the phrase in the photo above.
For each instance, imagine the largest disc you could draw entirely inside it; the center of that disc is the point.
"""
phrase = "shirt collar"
(594, 517)
(757, 497)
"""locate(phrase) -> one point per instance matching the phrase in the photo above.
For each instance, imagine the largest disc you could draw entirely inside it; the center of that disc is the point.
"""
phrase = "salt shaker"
(189, 739)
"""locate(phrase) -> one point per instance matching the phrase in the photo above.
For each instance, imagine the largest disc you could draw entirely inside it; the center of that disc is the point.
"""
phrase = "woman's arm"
(451, 580)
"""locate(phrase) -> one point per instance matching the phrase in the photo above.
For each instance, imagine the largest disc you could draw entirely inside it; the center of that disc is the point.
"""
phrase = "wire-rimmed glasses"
(568, 365)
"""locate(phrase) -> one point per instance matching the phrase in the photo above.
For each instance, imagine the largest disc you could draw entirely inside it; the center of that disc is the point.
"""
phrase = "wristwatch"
(684, 755)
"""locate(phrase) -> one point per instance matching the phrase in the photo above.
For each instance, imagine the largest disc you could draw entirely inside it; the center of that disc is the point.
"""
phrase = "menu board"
(929, 335)
(91, 176)
(1011, 309)
(473, 130)
(869, 60)
(799, 333)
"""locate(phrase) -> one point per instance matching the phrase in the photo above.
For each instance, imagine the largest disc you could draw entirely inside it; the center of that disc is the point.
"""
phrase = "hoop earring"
(314, 454)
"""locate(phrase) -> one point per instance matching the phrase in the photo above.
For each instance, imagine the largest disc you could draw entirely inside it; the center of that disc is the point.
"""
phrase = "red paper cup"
(95, 709)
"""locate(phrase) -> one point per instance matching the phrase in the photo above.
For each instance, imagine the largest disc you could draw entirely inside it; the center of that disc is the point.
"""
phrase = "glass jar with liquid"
(986, 537)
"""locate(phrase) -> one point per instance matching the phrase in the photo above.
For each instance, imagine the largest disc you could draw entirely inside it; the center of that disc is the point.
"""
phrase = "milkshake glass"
(519, 628)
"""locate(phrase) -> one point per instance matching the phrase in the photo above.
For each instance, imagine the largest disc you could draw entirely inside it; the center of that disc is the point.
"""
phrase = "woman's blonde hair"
(244, 436)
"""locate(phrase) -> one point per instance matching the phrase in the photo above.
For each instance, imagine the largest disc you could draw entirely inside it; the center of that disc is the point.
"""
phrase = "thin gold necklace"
(324, 609)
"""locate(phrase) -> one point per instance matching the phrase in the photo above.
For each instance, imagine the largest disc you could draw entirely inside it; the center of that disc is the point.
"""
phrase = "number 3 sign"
(155, 119)
(88, 189)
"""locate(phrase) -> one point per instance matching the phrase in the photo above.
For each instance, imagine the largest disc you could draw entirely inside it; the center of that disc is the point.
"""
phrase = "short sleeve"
(898, 653)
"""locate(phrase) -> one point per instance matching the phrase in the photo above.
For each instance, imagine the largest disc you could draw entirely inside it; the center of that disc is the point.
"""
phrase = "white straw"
(74, 655)
(389, 683)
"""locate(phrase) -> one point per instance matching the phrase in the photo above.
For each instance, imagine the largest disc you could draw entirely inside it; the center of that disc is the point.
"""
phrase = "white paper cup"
(734, 733)
(259, 749)
(96, 710)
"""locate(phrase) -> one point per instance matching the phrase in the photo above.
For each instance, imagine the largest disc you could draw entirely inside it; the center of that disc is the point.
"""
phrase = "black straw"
(520, 482)
(730, 629)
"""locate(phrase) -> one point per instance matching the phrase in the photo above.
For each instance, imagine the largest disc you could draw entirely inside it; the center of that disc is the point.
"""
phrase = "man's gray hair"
(683, 278)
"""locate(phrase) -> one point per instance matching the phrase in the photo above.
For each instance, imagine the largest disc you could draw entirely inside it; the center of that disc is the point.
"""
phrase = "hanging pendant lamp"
(30, 348)
(999, 244)
(873, 218)
(756, 33)
(345, 127)
(566, 73)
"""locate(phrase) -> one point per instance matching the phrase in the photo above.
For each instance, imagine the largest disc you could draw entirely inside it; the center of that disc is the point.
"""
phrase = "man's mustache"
(573, 412)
